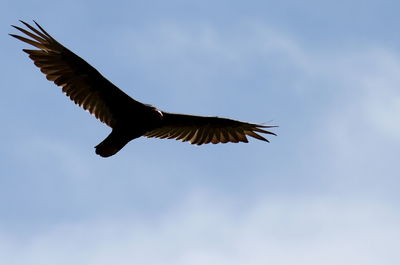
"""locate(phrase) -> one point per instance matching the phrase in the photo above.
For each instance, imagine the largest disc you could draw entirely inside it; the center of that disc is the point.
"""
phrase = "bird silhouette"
(128, 118)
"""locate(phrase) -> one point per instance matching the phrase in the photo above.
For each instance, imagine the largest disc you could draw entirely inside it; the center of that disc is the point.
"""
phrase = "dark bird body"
(128, 118)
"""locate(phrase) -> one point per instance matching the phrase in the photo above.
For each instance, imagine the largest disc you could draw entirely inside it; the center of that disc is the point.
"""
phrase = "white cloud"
(362, 125)
(205, 231)
(383, 98)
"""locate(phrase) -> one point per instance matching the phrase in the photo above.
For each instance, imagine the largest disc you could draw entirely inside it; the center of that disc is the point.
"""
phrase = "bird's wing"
(203, 130)
(81, 82)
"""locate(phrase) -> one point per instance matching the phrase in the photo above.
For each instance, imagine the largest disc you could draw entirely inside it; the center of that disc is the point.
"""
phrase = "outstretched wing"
(81, 82)
(203, 130)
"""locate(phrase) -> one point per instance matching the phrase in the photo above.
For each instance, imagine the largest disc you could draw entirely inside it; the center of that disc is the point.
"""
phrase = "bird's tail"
(111, 145)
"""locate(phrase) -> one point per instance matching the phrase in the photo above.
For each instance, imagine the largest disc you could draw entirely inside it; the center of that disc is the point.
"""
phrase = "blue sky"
(324, 191)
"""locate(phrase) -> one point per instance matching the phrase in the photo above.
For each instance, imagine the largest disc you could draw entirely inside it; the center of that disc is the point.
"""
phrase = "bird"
(128, 118)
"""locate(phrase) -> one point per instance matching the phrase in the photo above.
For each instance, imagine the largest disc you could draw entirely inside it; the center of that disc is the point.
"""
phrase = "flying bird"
(128, 118)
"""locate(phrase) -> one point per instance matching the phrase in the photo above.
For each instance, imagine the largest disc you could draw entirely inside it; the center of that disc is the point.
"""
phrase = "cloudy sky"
(324, 191)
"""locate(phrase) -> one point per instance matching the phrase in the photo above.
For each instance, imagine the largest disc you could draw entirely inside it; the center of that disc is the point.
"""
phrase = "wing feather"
(203, 130)
(191, 132)
(82, 83)
(183, 133)
(210, 134)
(197, 138)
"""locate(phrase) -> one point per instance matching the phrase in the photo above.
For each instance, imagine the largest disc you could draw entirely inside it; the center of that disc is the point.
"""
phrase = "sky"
(324, 191)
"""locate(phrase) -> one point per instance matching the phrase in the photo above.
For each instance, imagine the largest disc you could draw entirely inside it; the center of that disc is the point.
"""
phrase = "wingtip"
(23, 22)
(16, 27)
(42, 29)
(257, 128)
(266, 126)
(13, 35)
(26, 51)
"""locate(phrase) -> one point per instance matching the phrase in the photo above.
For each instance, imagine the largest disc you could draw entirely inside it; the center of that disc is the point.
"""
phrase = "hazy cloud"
(202, 230)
